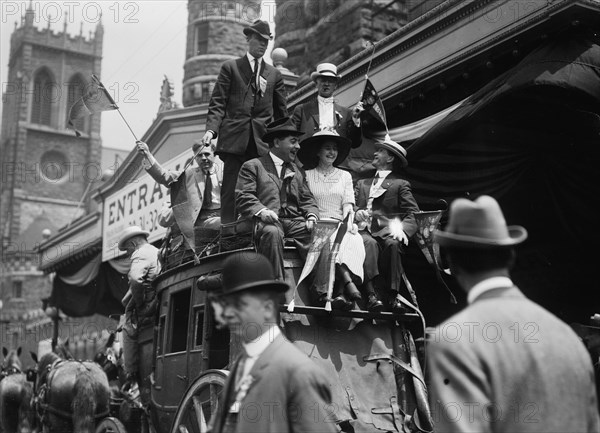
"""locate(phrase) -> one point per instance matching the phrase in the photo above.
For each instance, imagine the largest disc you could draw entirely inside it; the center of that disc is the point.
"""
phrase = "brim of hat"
(132, 234)
(316, 75)
(249, 30)
(274, 134)
(403, 160)
(516, 235)
(277, 286)
(310, 146)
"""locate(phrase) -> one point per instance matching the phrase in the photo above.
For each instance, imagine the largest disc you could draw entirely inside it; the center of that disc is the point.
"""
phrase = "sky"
(144, 41)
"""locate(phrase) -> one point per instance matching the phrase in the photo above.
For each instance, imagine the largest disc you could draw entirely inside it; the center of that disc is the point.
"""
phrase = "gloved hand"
(397, 230)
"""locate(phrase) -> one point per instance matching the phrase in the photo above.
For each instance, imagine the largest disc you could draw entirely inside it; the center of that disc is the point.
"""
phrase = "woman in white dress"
(333, 190)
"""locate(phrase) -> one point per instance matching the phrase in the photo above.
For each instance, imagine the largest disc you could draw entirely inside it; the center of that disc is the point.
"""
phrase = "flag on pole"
(372, 103)
(97, 99)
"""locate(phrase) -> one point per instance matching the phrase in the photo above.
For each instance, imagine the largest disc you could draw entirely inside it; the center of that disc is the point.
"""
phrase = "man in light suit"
(272, 386)
(248, 94)
(274, 190)
(195, 193)
(385, 215)
(324, 112)
(503, 364)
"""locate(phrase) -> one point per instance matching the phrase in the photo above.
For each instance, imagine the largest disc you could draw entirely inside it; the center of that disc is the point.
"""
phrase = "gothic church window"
(75, 90)
(44, 92)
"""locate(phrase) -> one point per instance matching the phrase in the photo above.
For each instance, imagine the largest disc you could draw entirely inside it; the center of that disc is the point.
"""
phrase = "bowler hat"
(325, 70)
(261, 28)
(280, 127)
(478, 224)
(395, 148)
(309, 147)
(248, 270)
(130, 232)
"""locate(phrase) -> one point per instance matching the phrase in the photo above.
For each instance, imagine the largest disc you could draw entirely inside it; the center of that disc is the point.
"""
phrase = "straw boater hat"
(478, 224)
(130, 232)
(249, 270)
(325, 70)
(279, 127)
(309, 147)
(261, 28)
(395, 148)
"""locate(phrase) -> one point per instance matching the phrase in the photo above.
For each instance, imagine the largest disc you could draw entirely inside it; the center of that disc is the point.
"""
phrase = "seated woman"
(332, 188)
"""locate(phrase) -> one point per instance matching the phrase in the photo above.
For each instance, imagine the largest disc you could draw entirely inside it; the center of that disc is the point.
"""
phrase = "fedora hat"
(478, 224)
(248, 270)
(130, 232)
(309, 147)
(325, 70)
(261, 28)
(393, 147)
(279, 127)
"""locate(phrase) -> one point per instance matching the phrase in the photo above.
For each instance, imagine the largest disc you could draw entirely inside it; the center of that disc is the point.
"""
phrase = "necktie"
(284, 184)
(239, 374)
(255, 75)
(207, 199)
(376, 178)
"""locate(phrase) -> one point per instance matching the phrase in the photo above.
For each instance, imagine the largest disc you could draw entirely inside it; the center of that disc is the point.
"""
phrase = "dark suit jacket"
(284, 379)
(306, 119)
(234, 112)
(258, 187)
(505, 358)
(396, 200)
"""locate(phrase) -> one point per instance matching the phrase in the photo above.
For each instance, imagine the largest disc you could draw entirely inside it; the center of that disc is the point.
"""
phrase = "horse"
(16, 414)
(111, 361)
(71, 395)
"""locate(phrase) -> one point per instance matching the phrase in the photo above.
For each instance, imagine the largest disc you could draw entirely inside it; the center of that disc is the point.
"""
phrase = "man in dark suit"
(202, 183)
(273, 189)
(386, 219)
(248, 94)
(503, 364)
(273, 386)
(325, 112)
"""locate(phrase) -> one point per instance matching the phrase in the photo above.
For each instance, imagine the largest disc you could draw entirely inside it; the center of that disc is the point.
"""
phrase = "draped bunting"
(530, 139)
(84, 275)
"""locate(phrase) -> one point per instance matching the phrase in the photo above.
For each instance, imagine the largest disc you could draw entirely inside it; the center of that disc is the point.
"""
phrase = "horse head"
(110, 358)
(12, 361)
(62, 349)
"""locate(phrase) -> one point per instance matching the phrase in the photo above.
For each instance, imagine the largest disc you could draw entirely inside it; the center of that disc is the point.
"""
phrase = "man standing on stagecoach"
(248, 94)
(503, 364)
(273, 386)
(141, 298)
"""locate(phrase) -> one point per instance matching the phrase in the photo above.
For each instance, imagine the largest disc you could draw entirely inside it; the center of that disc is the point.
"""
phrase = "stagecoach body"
(184, 356)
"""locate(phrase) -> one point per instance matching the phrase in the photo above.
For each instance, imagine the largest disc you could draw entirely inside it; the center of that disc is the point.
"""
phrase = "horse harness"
(7, 371)
(42, 405)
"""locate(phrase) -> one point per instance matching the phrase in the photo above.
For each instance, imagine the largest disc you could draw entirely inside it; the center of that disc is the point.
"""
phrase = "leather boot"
(373, 304)
(350, 290)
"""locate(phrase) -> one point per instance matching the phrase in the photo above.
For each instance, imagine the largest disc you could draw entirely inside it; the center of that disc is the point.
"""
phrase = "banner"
(139, 202)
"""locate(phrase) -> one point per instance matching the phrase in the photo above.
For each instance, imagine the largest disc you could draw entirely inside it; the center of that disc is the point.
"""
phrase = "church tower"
(46, 169)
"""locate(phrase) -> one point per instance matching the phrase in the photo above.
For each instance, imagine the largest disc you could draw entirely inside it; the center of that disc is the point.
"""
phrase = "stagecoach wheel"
(199, 403)
(110, 425)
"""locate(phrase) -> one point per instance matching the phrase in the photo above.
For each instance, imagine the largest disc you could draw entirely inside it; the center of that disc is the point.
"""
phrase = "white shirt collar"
(257, 346)
(382, 174)
(277, 161)
(486, 285)
(251, 58)
(322, 100)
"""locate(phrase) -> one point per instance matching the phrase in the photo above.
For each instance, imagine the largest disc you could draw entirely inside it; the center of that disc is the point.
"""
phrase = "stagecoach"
(371, 358)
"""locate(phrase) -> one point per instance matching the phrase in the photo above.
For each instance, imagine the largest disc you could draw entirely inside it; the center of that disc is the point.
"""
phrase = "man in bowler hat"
(504, 363)
(248, 94)
(274, 190)
(272, 386)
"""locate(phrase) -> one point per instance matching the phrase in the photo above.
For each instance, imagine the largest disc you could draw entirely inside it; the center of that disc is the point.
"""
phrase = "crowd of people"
(282, 172)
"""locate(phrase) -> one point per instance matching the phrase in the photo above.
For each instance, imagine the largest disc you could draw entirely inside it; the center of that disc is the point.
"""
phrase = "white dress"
(331, 193)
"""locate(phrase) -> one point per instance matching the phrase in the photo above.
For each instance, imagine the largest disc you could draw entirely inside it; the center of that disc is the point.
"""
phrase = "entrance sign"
(138, 203)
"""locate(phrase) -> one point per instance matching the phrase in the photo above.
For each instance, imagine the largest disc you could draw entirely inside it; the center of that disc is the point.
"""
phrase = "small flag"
(97, 99)
(372, 103)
